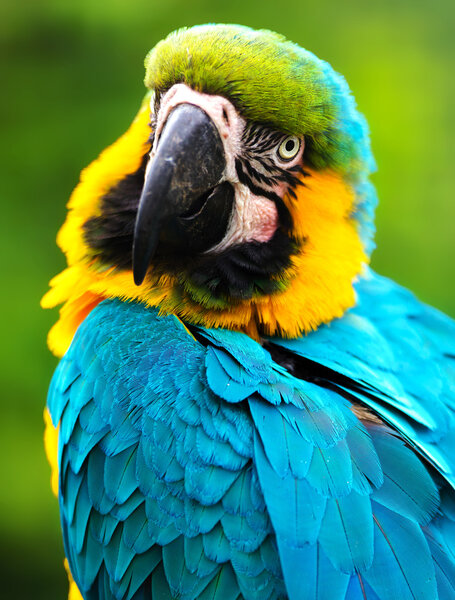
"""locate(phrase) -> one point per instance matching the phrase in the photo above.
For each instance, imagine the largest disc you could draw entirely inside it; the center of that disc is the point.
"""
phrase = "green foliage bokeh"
(71, 83)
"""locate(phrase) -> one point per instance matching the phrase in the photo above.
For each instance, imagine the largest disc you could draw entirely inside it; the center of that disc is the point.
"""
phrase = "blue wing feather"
(418, 499)
(207, 470)
(310, 575)
(359, 589)
(195, 558)
(223, 586)
(444, 571)
(346, 534)
(402, 565)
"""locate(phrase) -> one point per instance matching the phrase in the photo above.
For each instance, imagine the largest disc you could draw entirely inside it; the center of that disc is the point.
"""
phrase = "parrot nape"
(243, 409)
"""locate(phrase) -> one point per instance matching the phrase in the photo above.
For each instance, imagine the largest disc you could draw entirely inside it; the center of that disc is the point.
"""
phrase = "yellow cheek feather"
(331, 258)
(319, 282)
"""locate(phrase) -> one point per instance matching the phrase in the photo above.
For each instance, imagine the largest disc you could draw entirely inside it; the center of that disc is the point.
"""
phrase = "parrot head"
(238, 198)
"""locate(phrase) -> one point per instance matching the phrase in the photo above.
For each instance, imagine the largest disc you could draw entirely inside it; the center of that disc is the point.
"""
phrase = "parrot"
(243, 409)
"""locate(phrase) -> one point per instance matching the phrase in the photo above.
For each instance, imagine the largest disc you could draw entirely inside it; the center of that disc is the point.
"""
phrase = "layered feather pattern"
(194, 465)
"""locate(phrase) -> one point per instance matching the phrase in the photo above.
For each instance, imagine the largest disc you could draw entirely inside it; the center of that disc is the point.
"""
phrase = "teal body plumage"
(196, 463)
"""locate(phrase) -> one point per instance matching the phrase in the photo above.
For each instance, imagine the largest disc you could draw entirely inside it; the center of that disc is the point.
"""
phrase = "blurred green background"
(71, 82)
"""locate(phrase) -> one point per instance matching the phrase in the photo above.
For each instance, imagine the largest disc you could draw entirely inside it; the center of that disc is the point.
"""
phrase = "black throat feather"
(238, 272)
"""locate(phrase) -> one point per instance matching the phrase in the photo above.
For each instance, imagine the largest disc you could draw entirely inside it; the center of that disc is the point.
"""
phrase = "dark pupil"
(290, 144)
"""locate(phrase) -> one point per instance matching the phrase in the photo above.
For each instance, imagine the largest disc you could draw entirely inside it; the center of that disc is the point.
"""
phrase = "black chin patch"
(110, 236)
(238, 272)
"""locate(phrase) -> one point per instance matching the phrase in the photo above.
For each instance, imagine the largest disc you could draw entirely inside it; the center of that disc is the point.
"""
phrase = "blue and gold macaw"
(243, 410)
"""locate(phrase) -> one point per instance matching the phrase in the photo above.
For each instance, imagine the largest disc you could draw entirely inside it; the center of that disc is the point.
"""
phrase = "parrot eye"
(288, 148)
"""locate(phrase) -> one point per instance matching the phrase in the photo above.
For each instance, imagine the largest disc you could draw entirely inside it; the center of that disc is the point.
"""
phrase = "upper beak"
(181, 205)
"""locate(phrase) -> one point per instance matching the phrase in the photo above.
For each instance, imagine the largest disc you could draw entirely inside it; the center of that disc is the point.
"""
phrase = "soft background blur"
(71, 82)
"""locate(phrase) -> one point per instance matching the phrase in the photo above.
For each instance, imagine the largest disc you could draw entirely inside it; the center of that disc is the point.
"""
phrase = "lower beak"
(183, 206)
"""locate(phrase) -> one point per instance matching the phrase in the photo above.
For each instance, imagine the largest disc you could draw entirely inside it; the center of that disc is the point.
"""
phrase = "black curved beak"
(183, 207)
